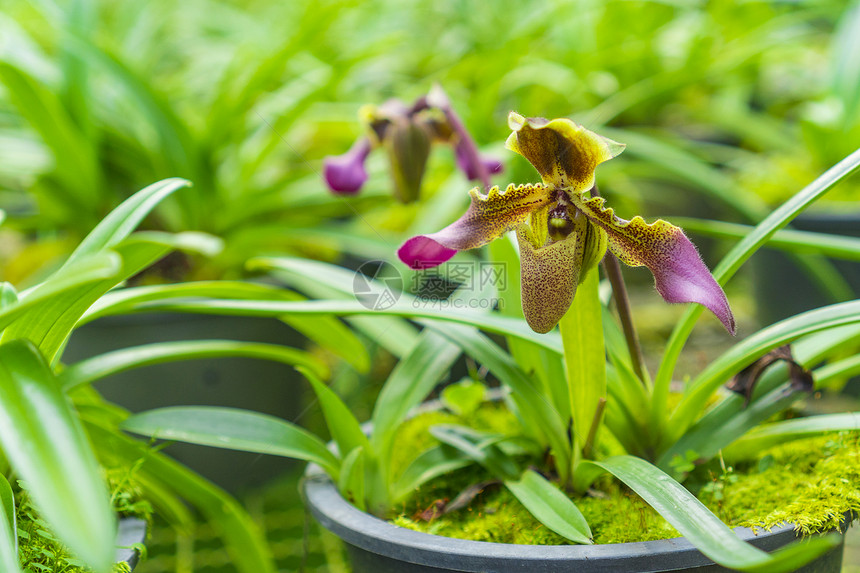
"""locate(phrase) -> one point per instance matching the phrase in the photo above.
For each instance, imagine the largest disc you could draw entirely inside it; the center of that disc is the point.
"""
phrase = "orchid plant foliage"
(564, 228)
(583, 409)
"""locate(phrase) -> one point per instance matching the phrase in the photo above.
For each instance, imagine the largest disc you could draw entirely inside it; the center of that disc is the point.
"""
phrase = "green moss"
(413, 437)
(811, 483)
(497, 516)
(40, 551)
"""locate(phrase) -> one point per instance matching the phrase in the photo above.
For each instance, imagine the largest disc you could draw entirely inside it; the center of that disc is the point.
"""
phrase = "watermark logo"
(460, 285)
(377, 285)
(470, 285)
(466, 277)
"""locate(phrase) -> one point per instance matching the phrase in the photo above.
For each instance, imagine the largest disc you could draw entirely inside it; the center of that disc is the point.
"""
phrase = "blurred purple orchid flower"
(345, 173)
(563, 231)
(407, 133)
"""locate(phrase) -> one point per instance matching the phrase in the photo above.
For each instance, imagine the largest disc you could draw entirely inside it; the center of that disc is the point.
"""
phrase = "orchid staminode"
(563, 230)
(407, 133)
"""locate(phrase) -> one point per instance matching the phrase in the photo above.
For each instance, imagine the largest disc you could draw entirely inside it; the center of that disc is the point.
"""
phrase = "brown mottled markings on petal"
(511, 201)
(680, 275)
(491, 215)
(564, 153)
(540, 147)
(646, 242)
(576, 158)
(549, 276)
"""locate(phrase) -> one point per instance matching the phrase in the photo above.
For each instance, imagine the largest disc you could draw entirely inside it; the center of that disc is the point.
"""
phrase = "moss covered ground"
(299, 545)
(811, 483)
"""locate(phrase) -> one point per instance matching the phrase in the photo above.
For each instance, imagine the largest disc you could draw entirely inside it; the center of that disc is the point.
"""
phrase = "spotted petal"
(549, 276)
(489, 217)
(564, 153)
(678, 270)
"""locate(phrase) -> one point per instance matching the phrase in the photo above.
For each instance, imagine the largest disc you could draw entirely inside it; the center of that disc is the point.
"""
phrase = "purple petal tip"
(345, 173)
(687, 279)
(422, 252)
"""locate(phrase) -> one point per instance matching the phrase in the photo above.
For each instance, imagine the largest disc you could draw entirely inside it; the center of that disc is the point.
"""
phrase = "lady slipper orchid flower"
(563, 230)
(407, 134)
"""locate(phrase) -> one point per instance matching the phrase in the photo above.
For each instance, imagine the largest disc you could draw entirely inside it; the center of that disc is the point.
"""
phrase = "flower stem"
(622, 304)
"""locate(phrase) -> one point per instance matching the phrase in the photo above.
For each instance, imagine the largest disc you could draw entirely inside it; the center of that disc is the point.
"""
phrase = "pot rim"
(375, 535)
(130, 531)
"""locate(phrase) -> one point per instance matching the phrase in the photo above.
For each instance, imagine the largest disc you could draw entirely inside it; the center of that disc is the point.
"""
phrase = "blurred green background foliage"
(727, 107)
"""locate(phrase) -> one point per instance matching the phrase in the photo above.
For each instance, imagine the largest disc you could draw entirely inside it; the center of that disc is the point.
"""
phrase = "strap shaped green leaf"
(109, 363)
(550, 506)
(233, 429)
(43, 438)
(701, 527)
(8, 529)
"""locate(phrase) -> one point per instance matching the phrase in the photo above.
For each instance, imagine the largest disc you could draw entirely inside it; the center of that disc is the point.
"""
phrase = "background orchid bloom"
(407, 133)
(563, 231)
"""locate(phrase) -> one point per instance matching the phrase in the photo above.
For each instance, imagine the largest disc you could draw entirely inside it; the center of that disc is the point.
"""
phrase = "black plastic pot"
(259, 385)
(376, 546)
(782, 289)
(131, 531)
